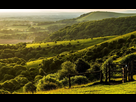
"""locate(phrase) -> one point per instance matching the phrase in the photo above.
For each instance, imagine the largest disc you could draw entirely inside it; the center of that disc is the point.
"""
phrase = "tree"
(67, 68)
(81, 65)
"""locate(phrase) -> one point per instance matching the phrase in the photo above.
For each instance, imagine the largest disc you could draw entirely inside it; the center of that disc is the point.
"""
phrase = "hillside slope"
(99, 15)
(90, 29)
(125, 88)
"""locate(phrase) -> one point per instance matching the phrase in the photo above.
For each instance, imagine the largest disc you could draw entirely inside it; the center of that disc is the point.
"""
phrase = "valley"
(13, 41)
(38, 55)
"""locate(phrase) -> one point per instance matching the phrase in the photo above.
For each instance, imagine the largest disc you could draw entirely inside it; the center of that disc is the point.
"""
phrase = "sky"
(64, 10)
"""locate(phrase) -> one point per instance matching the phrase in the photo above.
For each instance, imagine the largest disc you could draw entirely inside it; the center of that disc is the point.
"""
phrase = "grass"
(102, 15)
(95, 88)
(86, 42)
(35, 63)
(21, 28)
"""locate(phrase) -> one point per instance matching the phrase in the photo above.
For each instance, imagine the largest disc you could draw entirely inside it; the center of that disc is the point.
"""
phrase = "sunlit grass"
(124, 88)
(35, 63)
(88, 41)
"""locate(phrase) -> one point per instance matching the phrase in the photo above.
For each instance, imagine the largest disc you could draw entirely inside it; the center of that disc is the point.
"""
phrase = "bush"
(42, 86)
(29, 87)
(64, 81)
(48, 78)
(41, 72)
(38, 77)
(8, 77)
(4, 91)
(48, 82)
(93, 76)
(128, 58)
(79, 80)
(21, 80)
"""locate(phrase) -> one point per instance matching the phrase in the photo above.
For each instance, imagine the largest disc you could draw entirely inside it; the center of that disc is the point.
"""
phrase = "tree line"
(90, 29)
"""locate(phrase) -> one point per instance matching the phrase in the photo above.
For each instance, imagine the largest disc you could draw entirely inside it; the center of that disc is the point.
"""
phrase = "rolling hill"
(99, 15)
(46, 65)
(90, 29)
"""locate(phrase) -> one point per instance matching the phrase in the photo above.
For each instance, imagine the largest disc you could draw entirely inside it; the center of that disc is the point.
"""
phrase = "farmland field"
(12, 41)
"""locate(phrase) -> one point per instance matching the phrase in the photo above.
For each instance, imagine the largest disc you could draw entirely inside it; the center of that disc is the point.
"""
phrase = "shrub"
(48, 82)
(8, 77)
(26, 74)
(48, 78)
(79, 80)
(41, 72)
(93, 76)
(42, 86)
(29, 87)
(21, 80)
(38, 77)
(64, 81)
(4, 91)
(128, 57)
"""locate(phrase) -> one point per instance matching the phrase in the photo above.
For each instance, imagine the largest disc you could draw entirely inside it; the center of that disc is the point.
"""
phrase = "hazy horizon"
(64, 10)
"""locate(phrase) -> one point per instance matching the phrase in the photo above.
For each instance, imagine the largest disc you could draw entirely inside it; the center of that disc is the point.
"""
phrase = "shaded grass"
(83, 44)
(96, 88)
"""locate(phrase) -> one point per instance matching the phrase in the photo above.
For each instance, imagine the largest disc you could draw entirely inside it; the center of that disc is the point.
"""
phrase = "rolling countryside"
(61, 56)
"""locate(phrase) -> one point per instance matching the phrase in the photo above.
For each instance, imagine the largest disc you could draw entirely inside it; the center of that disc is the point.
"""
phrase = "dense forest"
(90, 29)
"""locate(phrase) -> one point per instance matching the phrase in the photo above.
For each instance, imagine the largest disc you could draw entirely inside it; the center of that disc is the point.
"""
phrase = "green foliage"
(37, 78)
(67, 68)
(41, 72)
(94, 76)
(7, 77)
(109, 60)
(46, 86)
(4, 91)
(64, 81)
(128, 57)
(79, 80)
(47, 83)
(105, 27)
(29, 87)
(21, 80)
(49, 78)
(81, 66)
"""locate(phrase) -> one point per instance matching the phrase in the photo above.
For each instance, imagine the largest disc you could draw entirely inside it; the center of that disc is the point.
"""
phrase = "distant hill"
(98, 15)
(90, 29)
